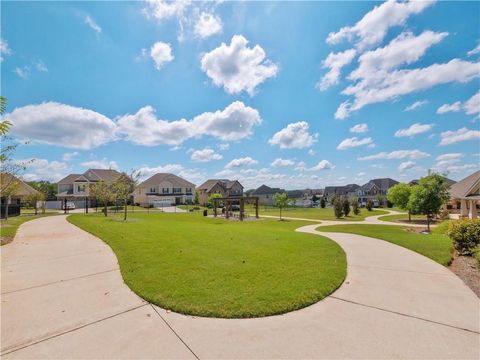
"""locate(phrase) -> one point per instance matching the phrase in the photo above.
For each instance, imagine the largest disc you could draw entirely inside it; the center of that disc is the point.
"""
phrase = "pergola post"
(215, 207)
(256, 207)
(242, 207)
(227, 203)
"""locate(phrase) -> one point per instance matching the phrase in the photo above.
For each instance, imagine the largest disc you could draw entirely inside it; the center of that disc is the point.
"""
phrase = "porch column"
(473, 209)
(463, 208)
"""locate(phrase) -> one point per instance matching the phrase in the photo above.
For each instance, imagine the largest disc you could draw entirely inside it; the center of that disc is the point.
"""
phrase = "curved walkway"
(63, 297)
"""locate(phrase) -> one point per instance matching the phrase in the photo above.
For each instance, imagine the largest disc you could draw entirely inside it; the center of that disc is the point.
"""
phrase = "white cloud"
(474, 51)
(69, 156)
(237, 67)
(4, 49)
(161, 54)
(361, 174)
(406, 165)
(416, 105)
(455, 107)
(463, 134)
(413, 130)
(43, 169)
(322, 165)
(40, 66)
(472, 105)
(233, 123)
(246, 161)
(23, 72)
(343, 111)
(208, 25)
(93, 25)
(294, 136)
(335, 62)
(279, 162)
(354, 142)
(374, 25)
(301, 166)
(398, 154)
(100, 164)
(223, 146)
(195, 176)
(449, 163)
(359, 128)
(205, 155)
(63, 125)
(311, 152)
(163, 10)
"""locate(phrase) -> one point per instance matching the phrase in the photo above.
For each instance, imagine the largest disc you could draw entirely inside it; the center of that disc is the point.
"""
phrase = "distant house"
(224, 187)
(75, 187)
(465, 196)
(448, 181)
(344, 190)
(17, 189)
(373, 189)
(164, 190)
(265, 194)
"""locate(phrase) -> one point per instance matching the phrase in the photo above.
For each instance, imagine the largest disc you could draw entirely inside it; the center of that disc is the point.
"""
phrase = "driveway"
(63, 297)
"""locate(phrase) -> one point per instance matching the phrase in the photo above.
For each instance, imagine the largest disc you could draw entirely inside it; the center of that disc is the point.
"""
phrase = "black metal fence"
(13, 210)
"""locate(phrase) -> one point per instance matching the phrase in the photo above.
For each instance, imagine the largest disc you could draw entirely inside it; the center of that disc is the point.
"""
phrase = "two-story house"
(164, 190)
(373, 190)
(75, 187)
(224, 187)
(265, 194)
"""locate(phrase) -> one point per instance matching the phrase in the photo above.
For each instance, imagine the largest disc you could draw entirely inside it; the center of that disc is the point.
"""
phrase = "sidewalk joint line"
(406, 315)
(178, 336)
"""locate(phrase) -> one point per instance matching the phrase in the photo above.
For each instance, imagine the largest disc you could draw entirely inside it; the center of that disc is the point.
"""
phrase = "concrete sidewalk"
(63, 297)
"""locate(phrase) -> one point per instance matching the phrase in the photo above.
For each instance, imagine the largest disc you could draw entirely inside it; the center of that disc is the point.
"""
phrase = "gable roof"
(107, 175)
(160, 177)
(267, 190)
(209, 184)
(448, 181)
(68, 179)
(23, 188)
(382, 184)
(463, 188)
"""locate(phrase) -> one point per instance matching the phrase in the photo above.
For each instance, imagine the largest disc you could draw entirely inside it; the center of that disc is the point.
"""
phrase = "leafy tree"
(5, 124)
(346, 206)
(211, 199)
(399, 195)
(315, 198)
(428, 196)
(322, 203)
(355, 208)
(33, 199)
(380, 199)
(338, 208)
(281, 201)
(102, 192)
(48, 189)
(10, 186)
(369, 205)
(196, 199)
(123, 188)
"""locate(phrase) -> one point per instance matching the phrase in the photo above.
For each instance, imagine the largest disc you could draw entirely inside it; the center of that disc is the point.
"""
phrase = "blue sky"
(288, 94)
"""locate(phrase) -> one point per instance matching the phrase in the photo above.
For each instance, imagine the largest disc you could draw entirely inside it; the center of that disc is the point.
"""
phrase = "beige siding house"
(164, 190)
(224, 187)
(465, 196)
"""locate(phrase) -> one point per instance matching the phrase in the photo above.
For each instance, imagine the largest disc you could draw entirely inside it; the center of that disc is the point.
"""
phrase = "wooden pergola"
(229, 201)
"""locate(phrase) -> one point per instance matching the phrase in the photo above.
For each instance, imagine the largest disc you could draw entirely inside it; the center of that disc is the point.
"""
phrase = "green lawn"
(220, 268)
(401, 217)
(435, 245)
(39, 211)
(317, 213)
(9, 228)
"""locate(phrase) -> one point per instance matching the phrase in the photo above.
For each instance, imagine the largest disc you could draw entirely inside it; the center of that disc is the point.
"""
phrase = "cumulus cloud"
(406, 165)
(164, 9)
(4, 49)
(43, 169)
(69, 156)
(237, 67)
(472, 105)
(235, 122)
(416, 105)
(279, 162)
(245, 161)
(455, 107)
(322, 165)
(223, 146)
(161, 54)
(359, 128)
(100, 164)
(398, 154)
(207, 25)
(196, 176)
(335, 62)
(449, 163)
(413, 130)
(93, 25)
(462, 134)
(63, 125)
(475, 50)
(343, 111)
(354, 142)
(294, 136)
(205, 155)
(374, 25)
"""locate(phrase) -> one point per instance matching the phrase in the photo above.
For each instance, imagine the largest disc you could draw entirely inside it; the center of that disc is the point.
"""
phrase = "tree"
(196, 199)
(211, 199)
(5, 124)
(338, 208)
(33, 199)
(322, 203)
(380, 199)
(346, 206)
(124, 186)
(355, 208)
(10, 186)
(103, 193)
(315, 198)
(399, 195)
(428, 196)
(281, 201)
(369, 205)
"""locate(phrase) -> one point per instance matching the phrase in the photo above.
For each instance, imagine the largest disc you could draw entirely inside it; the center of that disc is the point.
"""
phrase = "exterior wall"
(265, 199)
(77, 188)
(236, 190)
(164, 193)
(64, 187)
(204, 195)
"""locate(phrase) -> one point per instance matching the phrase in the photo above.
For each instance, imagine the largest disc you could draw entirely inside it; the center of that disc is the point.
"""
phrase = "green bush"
(338, 208)
(476, 255)
(369, 205)
(465, 235)
(346, 206)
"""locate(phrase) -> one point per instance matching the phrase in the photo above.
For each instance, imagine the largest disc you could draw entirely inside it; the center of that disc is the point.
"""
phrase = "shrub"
(476, 255)
(338, 208)
(346, 206)
(322, 203)
(356, 209)
(444, 215)
(369, 205)
(465, 235)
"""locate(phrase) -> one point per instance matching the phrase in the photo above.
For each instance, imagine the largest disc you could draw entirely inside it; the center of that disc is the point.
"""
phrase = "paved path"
(63, 297)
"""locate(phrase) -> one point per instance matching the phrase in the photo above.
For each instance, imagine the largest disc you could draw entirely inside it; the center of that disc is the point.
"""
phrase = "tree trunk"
(428, 223)
(125, 208)
(105, 210)
(36, 209)
(6, 208)
(409, 216)
(280, 213)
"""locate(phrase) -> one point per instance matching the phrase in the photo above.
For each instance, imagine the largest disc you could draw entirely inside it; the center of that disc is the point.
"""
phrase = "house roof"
(295, 193)
(160, 177)
(464, 187)
(382, 184)
(448, 181)
(68, 179)
(341, 190)
(23, 188)
(225, 183)
(266, 190)
(107, 175)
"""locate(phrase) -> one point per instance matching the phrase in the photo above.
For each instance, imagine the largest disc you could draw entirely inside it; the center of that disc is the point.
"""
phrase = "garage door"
(162, 202)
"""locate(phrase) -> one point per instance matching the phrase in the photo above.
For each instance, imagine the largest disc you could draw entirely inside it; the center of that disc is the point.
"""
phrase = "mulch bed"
(466, 268)
(5, 239)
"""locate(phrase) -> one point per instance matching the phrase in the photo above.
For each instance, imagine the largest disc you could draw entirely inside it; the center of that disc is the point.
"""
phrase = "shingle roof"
(68, 179)
(174, 179)
(209, 184)
(107, 175)
(382, 184)
(267, 190)
(463, 188)
(23, 188)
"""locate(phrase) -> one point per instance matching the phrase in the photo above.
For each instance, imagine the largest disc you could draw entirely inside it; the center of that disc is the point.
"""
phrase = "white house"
(164, 190)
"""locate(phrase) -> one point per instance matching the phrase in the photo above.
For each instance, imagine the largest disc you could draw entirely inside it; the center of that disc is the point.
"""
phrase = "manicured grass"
(39, 211)
(220, 268)
(188, 207)
(9, 228)
(435, 245)
(318, 213)
(401, 217)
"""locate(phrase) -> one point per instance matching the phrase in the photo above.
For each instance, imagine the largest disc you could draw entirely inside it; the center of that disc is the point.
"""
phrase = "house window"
(81, 187)
(189, 191)
(152, 189)
(165, 191)
(177, 190)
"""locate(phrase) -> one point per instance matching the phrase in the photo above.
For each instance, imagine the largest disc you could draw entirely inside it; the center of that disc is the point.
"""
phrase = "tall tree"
(33, 199)
(281, 201)
(346, 206)
(103, 193)
(428, 196)
(399, 195)
(124, 186)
